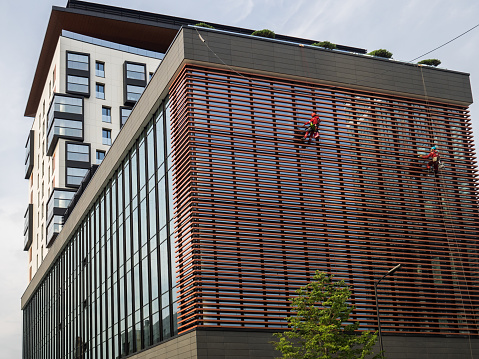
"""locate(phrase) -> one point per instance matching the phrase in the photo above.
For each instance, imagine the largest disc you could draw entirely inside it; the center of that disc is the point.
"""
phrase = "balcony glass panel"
(60, 200)
(65, 128)
(63, 106)
(54, 228)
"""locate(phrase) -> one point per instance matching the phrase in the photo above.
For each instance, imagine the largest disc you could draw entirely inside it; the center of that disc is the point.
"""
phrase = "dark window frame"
(76, 164)
(78, 73)
(134, 82)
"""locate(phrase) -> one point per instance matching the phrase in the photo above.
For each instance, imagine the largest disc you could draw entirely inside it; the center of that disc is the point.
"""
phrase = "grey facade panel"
(207, 344)
(259, 54)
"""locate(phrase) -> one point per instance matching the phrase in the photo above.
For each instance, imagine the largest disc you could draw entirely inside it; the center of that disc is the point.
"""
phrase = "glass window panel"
(106, 114)
(100, 155)
(77, 84)
(134, 217)
(100, 69)
(133, 93)
(106, 136)
(165, 314)
(154, 274)
(75, 175)
(164, 267)
(100, 91)
(77, 61)
(142, 163)
(143, 219)
(152, 212)
(78, 152)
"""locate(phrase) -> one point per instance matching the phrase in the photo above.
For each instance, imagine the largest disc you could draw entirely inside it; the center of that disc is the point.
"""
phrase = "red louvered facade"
(258, 211)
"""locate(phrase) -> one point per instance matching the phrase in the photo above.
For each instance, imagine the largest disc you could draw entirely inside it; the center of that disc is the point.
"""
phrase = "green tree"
(321, 328)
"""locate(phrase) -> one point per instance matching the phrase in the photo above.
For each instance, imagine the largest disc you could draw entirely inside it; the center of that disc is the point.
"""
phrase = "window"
(106, 135)
(100, 69)
(78, 152)
(135, 71)
(106, 114)
(78, 73)
(75, 175)
(77, 84)
(133, 93)
(124, 113)
(135, 82)
(100, 91)
(100, 155)
(77, 61)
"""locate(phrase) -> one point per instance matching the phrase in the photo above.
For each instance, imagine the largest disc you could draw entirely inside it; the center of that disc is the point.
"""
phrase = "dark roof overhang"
(140, 29)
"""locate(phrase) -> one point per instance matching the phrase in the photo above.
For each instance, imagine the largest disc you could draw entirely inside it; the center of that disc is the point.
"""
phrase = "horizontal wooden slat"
(258, 211)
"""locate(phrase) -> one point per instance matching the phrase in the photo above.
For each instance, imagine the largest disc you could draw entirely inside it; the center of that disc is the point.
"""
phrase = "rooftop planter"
(325, 44)
(381, 53)
(264, 33)
(430, 62)
(204, 24)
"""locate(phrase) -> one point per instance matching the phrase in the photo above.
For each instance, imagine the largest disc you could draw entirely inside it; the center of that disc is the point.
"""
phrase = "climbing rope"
(445, 214)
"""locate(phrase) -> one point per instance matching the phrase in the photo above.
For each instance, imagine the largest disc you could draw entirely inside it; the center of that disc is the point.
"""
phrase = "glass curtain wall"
(112, 291)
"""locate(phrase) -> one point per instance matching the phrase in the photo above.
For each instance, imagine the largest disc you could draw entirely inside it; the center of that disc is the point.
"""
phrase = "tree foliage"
(325, 44)
(430, 62)
(264, 33)
(381, 53)
(204, 24)
(321, 328)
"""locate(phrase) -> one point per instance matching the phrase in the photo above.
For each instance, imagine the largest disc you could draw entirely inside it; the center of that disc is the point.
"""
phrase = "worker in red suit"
(433, 157)
(312, 130)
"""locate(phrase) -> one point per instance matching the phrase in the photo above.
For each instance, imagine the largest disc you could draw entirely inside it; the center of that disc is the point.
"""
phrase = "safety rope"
(442, 204)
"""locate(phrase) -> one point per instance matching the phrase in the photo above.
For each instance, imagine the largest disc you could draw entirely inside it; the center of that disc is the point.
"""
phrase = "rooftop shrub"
(264, 33)
(381, 53)
(204, 24)
(430, 62)
(325, 44)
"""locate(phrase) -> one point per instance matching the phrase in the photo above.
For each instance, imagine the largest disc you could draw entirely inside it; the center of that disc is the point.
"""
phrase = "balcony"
(65, 120)
(56, 207)
(29, 157)
(28, 228)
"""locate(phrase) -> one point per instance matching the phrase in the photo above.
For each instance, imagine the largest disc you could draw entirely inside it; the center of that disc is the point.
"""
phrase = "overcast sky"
(406, 28)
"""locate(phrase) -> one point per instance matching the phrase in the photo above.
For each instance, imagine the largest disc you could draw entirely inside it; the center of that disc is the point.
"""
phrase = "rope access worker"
(312, 130)
(433, 157)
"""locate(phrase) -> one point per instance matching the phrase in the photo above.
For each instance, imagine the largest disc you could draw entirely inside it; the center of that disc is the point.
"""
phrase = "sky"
(407, 28)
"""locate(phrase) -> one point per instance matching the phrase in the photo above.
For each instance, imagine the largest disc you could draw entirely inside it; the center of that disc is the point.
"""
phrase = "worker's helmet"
(433, 148)
(313, 113)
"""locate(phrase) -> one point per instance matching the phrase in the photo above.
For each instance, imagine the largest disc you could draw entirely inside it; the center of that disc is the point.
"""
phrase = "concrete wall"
(240, 344)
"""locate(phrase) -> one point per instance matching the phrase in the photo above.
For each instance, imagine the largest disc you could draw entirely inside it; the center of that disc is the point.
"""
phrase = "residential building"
(208, 211)
(89, 90)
